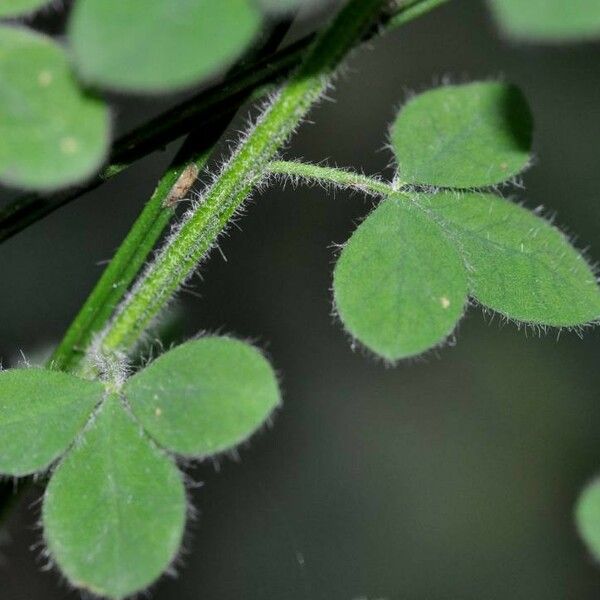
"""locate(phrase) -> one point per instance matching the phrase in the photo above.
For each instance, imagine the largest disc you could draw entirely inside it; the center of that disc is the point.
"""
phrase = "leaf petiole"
(332, 176)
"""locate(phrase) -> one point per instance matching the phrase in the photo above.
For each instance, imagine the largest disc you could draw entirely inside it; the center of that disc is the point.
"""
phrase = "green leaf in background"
(280, 6)
(587, 517)
(41, 413)
(114, 510)
(158, 45)
(519, 265)
(549, 20)
(205, 396)
(463, 136)
(400, 285)
(51, 133)
(13, 8)
(286, 6)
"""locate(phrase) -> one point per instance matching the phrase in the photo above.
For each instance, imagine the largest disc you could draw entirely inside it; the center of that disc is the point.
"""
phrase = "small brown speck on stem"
(182, 187)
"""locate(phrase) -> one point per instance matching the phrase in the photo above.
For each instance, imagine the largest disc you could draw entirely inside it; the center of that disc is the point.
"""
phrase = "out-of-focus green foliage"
(52, 133)
(13, 8)
(549, 20)
(158, 45)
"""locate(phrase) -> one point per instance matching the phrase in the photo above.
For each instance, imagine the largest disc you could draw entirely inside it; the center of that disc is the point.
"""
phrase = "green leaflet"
(519, 265)
(51, 133)
(400, 285)
(587, 517)
(13, 8)
(463, 136)
(549, 20)
(158, 45)
(41, 412)
(205, 396)
(114, 510)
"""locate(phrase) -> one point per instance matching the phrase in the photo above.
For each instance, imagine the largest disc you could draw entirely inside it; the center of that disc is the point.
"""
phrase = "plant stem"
(130, 256)
(344, 179)
(203, 108)
(149, 226)
(199, 230)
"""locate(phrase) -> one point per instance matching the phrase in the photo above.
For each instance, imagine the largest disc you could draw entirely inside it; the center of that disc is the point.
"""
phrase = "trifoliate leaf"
(114, 510)
(400, 285)
(549, 20)
(51, 133)
(519, 265)
(14, 8)
(41, 413)
(205, 396)
(463, 136)
(158, 45)
(587, 517)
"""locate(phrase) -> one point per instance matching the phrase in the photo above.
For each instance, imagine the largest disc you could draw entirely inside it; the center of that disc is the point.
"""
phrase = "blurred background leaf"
(158, 45)
(13, 8)
(52, 134)
(549, 20)
(278, 7)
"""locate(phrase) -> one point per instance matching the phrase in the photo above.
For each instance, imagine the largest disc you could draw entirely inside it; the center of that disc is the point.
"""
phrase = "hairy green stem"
(134, 251)
(299, 171)
(198, 232)
(129, 258)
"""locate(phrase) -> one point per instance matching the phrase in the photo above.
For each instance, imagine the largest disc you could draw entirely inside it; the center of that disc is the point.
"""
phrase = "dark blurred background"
(449, 477)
